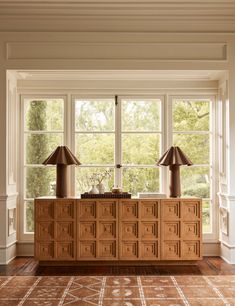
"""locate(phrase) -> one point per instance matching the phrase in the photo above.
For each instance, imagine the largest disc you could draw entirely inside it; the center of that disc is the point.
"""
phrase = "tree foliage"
(37, 179)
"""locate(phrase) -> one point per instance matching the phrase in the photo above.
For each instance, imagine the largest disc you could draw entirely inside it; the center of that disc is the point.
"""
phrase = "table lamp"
(174, 158)
(61, 157)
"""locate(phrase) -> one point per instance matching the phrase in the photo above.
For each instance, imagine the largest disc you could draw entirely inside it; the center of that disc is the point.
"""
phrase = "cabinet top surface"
(114, 199)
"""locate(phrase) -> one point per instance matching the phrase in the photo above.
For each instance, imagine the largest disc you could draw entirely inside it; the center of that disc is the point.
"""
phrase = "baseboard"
(8, 253)
(228, 253)
(25, 248)
(211, 248)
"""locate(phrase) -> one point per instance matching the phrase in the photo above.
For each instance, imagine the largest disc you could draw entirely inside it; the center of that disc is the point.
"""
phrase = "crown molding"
(170, 10)
(132, 15)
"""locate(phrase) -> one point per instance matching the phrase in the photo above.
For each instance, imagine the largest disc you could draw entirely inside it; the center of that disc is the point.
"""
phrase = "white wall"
(137, 35)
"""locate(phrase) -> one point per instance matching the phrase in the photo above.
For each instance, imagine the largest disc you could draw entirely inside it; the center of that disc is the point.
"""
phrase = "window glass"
(86, 177)
(43, 132)
(191, 115)
(140, 180)
(95, 148)
(94, 115)
(94, 142)
(140, 148)
(192, 133)
(195, 146)
(140, 142)
(39, 146)
(141, 114)
(44, 114)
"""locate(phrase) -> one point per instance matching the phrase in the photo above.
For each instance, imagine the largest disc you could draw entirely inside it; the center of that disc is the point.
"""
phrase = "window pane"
(195, 182)
(29, 205)
(141, 115)
(196, 147)
(191, 115)
(44, 115)
(140, 148)
(140, 180)
(40, 181)
(40, 146)
(95, 148)
(94, 115)
(84, 178)
(206, 216)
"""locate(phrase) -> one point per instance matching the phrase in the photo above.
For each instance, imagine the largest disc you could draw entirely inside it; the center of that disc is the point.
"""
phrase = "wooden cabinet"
(118, 229)
(55, 229)
(97, 230)
(139, 230)
(181, 234)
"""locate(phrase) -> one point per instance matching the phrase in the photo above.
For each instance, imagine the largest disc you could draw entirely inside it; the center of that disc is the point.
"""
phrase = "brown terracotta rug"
(117, 290)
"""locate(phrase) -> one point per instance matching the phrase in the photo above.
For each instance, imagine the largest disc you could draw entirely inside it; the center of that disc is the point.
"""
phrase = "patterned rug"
(117, 290)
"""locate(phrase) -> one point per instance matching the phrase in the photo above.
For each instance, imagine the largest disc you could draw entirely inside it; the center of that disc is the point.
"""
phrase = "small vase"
(93, 190)
(101, 188)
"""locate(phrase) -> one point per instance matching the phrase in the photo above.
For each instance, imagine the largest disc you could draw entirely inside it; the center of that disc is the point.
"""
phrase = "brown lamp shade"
(174, 158)
(61, 157)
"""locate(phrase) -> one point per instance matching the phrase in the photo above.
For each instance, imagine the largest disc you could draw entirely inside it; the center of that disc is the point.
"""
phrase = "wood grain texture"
(55, 229)
(118, 230)
(181, 233)
(97, 229)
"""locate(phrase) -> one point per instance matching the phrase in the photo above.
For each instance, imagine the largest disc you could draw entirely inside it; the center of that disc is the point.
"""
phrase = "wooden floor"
(208, 266)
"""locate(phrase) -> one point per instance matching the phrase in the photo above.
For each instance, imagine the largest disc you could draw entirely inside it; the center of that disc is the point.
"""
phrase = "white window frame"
(73, 133)
(120, 133)
(213, 235)
(165, 96)
(23, 234)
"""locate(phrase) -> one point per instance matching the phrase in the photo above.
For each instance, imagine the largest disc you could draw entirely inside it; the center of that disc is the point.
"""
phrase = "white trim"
(73, 132)
(120, 75)
(227, 253)
(227, 261)
(68, 125)
(8, 253)
(3, 263)
(159, 132)
(214, 165)
(8, 245)
(6, 197)
(166, 129)
(226, 196)
(22, 233)
(212, 100)
(229, 246)
(118, 142)
(163, 142)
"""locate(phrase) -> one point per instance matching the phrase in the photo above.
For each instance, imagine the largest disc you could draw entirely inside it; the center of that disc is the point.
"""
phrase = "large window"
(140, 138)
(43, 131)
(94, 141)
(120, 136)
(192, 133)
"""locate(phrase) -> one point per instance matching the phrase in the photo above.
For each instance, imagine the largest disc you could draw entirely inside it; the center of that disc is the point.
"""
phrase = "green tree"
(37, 178)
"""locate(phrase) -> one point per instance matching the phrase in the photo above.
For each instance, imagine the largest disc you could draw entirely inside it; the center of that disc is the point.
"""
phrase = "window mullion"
(118, 142)
(70, 110)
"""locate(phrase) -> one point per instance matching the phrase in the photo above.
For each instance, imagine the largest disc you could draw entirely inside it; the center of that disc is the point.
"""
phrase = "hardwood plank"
(207, 266)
